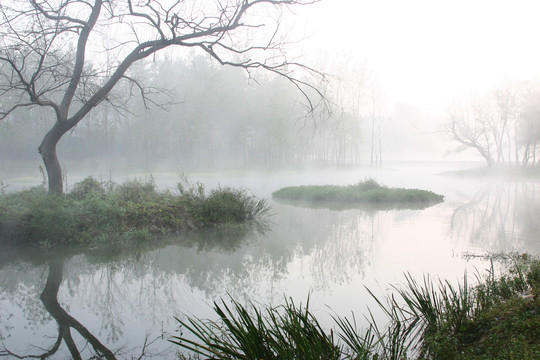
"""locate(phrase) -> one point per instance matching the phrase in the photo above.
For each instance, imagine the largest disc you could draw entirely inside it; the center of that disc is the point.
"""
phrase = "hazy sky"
(429, 51)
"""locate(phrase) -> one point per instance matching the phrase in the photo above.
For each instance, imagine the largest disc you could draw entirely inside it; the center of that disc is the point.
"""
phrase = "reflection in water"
(360, 205)
(501, 217)
(348, 248)
(125, 296)
(65, 321)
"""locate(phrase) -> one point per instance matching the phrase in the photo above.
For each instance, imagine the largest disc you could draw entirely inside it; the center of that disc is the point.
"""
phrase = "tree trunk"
(47, 149)
(489, 162)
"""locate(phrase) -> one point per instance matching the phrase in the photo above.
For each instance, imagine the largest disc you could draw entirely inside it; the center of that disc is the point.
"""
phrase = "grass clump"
(498, 318)
(284, 332)
(96, 211)
(427, 320)
(232, 205)
(368, 191)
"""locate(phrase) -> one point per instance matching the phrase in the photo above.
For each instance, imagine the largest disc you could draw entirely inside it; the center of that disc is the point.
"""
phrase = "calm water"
(124, 296)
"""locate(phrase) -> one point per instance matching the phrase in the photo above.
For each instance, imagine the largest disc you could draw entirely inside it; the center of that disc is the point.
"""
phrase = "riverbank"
(497, 318)
(95, 211)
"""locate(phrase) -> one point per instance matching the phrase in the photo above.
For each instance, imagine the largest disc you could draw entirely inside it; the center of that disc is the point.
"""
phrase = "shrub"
(137, 190)
(33, 216)
(86, 188)
(94, 212)
(224, 205)
(533, 278)
(227, 205)
(368, 184)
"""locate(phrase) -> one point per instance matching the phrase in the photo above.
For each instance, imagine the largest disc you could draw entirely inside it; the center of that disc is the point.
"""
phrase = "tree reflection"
(65, 321)
(126, 291)
(348, 248)
(501, 217)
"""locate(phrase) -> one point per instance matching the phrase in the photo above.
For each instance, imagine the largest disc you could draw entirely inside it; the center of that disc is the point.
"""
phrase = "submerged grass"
(427, 320)
(368, 191)
(96, 211)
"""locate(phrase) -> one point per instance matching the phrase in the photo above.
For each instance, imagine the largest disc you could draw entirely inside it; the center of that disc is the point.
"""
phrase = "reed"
(428, 319)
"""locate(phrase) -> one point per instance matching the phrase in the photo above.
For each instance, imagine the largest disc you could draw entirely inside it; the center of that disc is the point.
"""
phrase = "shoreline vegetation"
(366, 192)
(496, 318)
(94, 212)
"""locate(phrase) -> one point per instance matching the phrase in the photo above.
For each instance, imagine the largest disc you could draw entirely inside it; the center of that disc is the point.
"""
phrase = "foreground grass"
(368, 191)
(427, 320)
(94, 211)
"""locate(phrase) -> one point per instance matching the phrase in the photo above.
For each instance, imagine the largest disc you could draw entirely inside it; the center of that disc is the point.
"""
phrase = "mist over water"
(125, 295)
(409, 99)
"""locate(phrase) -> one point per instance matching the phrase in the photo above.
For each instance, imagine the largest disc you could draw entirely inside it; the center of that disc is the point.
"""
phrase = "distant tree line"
(208, 116)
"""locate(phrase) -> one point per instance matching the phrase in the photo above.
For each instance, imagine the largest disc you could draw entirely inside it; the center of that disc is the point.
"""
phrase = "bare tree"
(470, 126)
(503, 127)
(52, 51)
(528, 124)
(505, 108)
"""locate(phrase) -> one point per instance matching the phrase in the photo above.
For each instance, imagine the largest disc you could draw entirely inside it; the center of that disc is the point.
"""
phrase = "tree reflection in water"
(99, 288)
(122, 294)
(500, 217)
(66, 323)
(118, 294)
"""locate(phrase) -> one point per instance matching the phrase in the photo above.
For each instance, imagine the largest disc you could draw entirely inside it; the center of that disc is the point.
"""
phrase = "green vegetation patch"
(368, 191)
(95, 211)
(497, 318)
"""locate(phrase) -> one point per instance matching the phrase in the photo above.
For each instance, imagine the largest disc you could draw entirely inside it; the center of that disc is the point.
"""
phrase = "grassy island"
(368, 191)
(95, 211)
(498, 318)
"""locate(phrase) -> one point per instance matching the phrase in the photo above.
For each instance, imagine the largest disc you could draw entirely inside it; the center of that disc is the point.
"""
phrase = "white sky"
(426, 52)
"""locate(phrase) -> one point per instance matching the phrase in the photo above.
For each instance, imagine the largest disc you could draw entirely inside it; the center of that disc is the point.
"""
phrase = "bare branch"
(54, 348)
(48, 47)
(5, 113)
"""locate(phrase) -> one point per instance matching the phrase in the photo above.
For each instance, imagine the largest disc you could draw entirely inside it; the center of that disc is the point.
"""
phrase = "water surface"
(124, 297)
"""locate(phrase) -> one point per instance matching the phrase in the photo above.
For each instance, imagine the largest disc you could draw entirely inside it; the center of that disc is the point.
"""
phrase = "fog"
(216, 118)
(419, 94)
(426, 52)
(395, 70)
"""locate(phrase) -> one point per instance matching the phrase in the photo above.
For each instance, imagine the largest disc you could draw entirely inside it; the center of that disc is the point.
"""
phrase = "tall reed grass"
(428, 319)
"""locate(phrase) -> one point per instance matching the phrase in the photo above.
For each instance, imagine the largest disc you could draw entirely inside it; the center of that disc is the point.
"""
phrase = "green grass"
(490, 320)
(96, 211)
(431, 319)
(368, 191)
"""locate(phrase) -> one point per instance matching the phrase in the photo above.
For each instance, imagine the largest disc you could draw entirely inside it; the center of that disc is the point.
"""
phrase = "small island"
(368, 192)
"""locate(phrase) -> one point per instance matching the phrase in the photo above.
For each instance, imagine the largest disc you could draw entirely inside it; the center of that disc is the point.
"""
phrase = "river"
(127, 299)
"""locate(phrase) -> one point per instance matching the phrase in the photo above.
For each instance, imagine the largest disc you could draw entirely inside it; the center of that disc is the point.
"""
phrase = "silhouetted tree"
(470, 125)
(56, 54)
